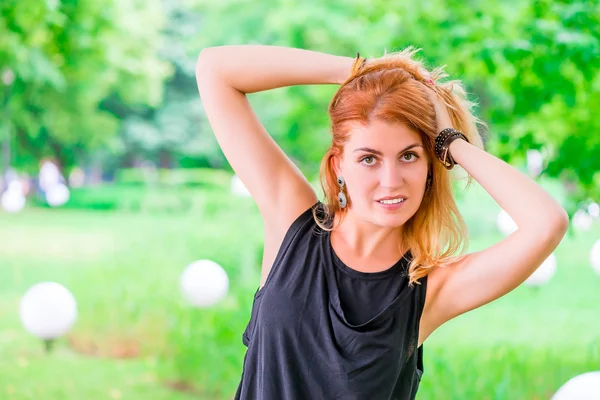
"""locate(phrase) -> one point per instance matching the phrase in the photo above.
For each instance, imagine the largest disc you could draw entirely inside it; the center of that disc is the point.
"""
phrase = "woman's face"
(385, 168)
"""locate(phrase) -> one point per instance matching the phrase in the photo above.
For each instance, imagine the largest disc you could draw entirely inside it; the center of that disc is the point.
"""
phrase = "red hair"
(391, 89)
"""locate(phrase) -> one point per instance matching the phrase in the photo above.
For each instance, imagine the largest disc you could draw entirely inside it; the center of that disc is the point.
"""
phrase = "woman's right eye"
(368, 160)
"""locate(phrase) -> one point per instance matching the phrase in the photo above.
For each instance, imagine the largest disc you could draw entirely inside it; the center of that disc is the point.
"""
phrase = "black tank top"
(322, 330)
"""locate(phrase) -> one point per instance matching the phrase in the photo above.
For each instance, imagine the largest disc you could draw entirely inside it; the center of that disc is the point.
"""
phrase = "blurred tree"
(173, 132)
(533, 67)
(67, 56)
(556, 88)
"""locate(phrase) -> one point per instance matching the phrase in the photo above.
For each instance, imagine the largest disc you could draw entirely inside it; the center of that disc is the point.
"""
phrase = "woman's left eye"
(409, 156)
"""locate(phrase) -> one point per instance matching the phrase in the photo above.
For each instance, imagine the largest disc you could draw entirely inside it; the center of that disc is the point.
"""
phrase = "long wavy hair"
(391, 89)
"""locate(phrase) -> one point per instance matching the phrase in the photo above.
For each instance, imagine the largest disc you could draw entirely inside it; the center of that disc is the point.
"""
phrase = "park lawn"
(135, 336)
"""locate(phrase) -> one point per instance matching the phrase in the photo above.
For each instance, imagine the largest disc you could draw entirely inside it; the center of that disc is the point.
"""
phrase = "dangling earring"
(428, 183)
(341, 196)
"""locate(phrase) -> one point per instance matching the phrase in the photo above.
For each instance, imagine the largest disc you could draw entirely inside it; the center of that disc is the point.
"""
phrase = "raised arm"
(484, 276)
(224, 76)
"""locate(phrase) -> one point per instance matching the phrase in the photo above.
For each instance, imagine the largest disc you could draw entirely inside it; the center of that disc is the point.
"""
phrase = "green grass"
(136, 338)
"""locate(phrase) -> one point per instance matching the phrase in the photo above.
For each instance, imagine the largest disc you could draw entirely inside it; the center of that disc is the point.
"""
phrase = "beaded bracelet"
(442, 146)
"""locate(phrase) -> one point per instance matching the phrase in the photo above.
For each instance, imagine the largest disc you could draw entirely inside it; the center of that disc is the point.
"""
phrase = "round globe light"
(13, 199)
(15, 186)
(48, 310)
(582, 221)
(204, 283)
(238, 188)
(49, 175)
(543, 273)
(12, 202)
(535, 162)
(505, 224)
(582, 387)
(595, 257)
(594, 210)
(57, 195)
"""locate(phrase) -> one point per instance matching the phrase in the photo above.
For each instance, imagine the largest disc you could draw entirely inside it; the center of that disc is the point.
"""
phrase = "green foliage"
(531, 65)
(174, 177)
(69, 56)
(176, 130)
(555, 87)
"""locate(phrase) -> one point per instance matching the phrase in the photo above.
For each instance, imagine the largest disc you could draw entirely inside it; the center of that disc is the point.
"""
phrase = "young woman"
(353, 285)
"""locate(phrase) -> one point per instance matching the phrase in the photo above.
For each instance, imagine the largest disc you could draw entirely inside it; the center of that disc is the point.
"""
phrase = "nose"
(391, 176)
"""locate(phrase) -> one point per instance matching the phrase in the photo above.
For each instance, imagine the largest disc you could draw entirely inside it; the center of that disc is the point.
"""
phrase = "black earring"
(428, 183)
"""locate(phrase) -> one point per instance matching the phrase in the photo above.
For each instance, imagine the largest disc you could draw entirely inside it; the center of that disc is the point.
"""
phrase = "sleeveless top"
(322, 330)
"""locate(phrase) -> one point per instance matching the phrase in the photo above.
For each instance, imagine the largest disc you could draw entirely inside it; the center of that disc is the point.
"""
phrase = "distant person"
(353, 284)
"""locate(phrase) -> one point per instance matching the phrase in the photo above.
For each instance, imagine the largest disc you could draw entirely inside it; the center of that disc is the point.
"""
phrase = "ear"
(336, 164)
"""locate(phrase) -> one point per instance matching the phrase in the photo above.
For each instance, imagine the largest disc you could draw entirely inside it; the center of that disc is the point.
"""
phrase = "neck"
(365, 239)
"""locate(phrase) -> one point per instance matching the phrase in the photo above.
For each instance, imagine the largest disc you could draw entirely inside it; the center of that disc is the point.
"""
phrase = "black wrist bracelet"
(442, 146)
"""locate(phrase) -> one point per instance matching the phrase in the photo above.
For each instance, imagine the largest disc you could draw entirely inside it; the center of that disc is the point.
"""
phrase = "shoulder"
(309, 221)
(315, 214)
(290, 242)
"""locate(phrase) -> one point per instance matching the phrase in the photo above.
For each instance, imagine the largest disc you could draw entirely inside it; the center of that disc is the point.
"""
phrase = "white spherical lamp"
(48, 310)
(505, 224)
(582, 387)
(543, 273)
(57, 195)
(535, 162)
(49, 175)
(582, 221)
(238, 188)
(594, 210)
(13, 199)
(595, 257)
(204, 283)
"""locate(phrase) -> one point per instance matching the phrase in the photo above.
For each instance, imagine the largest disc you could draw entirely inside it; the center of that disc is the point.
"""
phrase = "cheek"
(360, 180)
(418, 174)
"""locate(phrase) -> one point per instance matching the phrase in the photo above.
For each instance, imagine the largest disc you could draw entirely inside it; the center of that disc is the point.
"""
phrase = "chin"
(391, 219)
(390, 222)
(381, 217)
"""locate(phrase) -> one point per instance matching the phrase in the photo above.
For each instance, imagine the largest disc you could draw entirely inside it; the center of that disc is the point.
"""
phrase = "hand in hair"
(441, 110)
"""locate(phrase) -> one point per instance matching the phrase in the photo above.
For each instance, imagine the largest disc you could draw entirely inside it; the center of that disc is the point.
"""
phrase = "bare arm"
(486, 275)
(224, 76)
(254, 68)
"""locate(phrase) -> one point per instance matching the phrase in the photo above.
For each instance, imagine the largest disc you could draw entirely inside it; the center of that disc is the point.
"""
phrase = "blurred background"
(114, 188)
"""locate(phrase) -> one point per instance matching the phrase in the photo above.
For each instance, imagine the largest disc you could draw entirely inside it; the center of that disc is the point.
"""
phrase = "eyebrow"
(379, 153)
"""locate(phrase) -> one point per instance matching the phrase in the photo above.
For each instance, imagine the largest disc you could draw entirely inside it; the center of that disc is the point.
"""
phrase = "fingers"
(441, 111)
